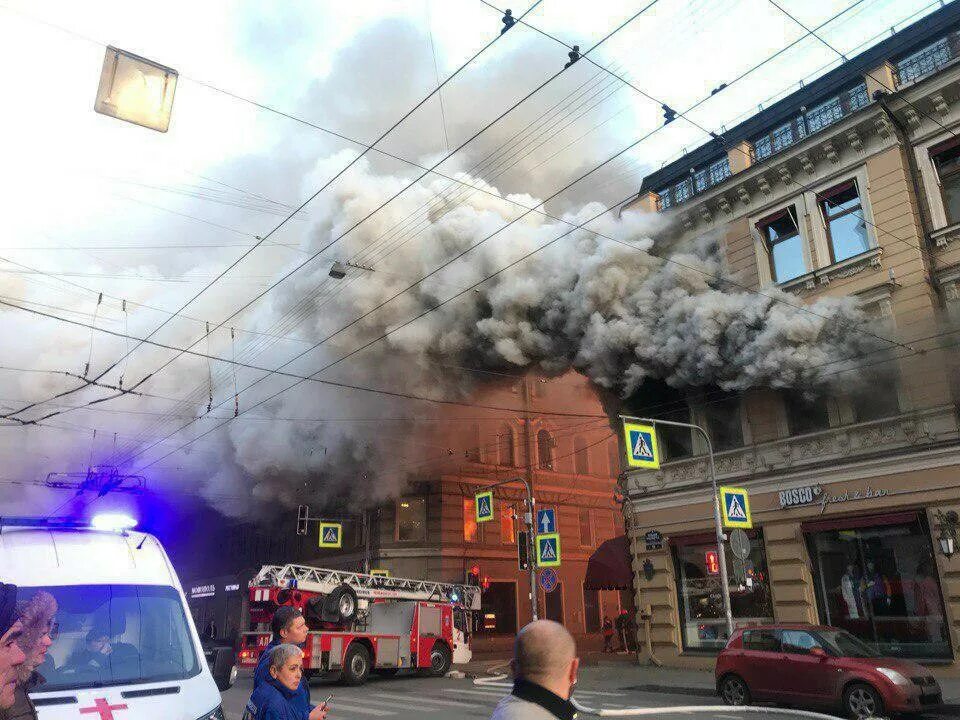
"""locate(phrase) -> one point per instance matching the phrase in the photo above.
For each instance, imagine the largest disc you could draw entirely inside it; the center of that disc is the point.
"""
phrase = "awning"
(609, 566)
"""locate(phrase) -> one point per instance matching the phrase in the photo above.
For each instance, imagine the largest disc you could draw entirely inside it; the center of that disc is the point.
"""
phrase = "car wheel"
(861, 701)
(356, 665)
(734, 690)
(340, 606)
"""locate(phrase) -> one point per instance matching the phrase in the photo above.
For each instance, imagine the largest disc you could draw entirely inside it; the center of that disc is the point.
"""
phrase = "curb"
(699, 691)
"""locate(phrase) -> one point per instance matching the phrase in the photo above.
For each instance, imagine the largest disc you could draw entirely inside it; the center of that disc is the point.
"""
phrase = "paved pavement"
(409, 697)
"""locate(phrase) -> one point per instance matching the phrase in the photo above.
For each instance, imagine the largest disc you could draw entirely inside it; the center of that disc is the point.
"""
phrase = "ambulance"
(124, 643)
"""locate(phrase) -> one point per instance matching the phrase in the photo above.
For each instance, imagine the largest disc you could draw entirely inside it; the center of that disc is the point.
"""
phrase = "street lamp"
(135, 89)
(948, 532)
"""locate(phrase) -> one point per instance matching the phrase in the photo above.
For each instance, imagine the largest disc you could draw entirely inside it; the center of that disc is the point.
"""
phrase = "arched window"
(545, 450)
(581, 456)
(505, 447)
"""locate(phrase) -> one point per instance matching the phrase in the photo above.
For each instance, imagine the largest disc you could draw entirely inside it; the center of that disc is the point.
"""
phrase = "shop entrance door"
(553, 604)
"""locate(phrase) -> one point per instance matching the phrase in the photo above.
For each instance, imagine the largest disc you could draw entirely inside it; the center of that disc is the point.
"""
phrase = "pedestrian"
(11, 656)
(289, 627)
(276, 697)
(607, 635)
(621, 624)
(38, 633)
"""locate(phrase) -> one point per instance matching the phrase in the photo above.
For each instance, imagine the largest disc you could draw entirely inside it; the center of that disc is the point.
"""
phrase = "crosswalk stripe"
(484, 693)
(578, 693)
(336, 706)
(422, 700)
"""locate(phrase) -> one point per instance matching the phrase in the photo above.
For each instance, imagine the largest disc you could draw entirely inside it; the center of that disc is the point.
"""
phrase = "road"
(413, 698)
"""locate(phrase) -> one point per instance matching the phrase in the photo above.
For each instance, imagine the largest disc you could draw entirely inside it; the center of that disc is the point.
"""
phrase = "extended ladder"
(367, 587)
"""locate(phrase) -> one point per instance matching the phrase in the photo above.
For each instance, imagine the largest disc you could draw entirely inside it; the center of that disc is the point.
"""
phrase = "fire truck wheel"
(440, 659)
(340, 606)
(356, 665)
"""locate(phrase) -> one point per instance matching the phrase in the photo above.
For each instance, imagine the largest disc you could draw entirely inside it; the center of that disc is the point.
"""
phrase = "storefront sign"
(203, 591)
(231, 588)
(815, 494)
(654, 540)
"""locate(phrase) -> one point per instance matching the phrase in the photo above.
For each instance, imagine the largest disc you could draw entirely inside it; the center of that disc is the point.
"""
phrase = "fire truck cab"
(362, 623)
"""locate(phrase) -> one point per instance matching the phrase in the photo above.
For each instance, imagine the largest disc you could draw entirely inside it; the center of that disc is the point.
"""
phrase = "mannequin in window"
(850, 592)
(876, 589)
(927, 601)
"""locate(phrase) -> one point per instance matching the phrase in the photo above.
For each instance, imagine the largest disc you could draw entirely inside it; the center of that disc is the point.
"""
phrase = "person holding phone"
(276, 698)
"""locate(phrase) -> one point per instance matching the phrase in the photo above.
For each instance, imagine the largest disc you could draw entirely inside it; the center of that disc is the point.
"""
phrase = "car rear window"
(762, 640)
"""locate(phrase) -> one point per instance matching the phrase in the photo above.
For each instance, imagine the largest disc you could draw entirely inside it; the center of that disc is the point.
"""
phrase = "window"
(703, 623)
(675, 443)
(470, 525)
(881, 402)
(722, 416)
(947, 163)
(506, 524)
(798, 642)
(781, 233)
(581, 456)
(762, 640)
(411, 519)
(553, 604)
(473, 451)
(843, 220)
(591, 610)
(877, 579)
(545, 450)
(586, 529)
(505, 454)
(613, 458)
(804, 414)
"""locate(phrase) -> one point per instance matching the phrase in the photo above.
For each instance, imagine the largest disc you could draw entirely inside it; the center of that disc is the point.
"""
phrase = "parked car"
(820, 667)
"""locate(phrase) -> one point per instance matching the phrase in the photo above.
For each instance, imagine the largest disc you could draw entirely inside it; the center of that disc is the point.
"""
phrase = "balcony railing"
(698, 182)
(928, 60)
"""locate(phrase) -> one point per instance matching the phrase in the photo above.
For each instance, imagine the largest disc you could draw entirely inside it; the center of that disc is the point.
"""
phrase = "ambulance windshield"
(113, 635)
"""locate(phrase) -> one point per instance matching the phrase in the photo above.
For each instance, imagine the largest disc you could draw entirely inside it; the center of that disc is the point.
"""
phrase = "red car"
(821, 667)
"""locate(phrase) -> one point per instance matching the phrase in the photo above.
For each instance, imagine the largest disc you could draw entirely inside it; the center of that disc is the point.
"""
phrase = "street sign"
(331, 535)
(739, 544)
(548, 550)
(654, 540)
(380, 573)
(523, 551)
(735, 504)
(546, 520)
(484, 505)
(548, 579)
(641, 441)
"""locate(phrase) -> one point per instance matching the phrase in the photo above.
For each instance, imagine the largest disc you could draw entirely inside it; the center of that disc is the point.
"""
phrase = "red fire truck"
(364, 623)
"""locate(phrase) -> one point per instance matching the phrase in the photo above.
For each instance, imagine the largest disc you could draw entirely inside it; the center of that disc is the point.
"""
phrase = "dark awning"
(609, 566)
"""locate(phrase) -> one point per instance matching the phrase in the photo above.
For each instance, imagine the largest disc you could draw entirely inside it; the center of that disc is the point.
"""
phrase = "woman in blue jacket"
(276, 697)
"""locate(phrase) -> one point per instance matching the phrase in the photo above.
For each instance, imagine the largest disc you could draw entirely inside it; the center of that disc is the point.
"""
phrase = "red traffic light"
(486, 583)
(475, 570)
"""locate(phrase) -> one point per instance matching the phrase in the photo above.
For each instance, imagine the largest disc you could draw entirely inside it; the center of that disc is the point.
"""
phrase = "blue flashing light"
(113, 521)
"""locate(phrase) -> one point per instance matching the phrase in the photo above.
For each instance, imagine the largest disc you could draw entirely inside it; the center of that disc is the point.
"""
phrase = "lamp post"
(948, 522)
(724, 581)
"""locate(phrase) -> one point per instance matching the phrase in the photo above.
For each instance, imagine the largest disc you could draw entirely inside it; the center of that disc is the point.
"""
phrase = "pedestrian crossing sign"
(548, 550)
(641, 441)
(735, 504)
(484, 506)
(331, 535)
(380, 573)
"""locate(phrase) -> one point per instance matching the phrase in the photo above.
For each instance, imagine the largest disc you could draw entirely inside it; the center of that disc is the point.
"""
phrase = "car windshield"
(115, 635)
(843, 644)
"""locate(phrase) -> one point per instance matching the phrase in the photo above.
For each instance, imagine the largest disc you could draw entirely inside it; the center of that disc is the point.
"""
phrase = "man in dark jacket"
(11, 656)
(289, 627)
(276, 697)
(36, 615)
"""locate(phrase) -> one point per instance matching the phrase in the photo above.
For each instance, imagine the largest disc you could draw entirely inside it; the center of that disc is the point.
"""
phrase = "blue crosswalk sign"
(546, 520)
(641, 441)
(735, 504)
(331, 535)
(484, 505)
(548, 550)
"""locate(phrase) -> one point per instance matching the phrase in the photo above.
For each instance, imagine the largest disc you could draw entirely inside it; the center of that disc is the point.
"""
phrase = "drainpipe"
(903, 140)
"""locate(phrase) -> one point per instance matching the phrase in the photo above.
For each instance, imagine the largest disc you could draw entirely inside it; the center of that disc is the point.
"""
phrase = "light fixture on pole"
(948, 522)
(136, 90)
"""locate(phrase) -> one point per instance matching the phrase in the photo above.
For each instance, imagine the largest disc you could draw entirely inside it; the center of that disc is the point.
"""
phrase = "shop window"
(470, 526)
(591, 610)
(411, 519)
(506, 524)
(781, 233)
(703, 622)
(498, 609)
(581, 456)
(545, 450)
(843, 219)
(947, 163)
(877, 579)
(723, 420)
(586, 529)
(505, 447)
(805, 414)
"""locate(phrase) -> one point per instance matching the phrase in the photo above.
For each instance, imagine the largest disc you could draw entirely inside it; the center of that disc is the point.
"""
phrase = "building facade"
(847, 187)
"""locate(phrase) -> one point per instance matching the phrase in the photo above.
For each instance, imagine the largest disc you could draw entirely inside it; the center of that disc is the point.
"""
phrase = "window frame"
(823, 197)
(591, 526)
(933, 152)
(396, 518)
(760, 225)
(551, 451)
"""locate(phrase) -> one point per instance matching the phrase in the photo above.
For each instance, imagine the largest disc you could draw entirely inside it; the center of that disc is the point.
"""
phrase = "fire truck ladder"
(367, 587)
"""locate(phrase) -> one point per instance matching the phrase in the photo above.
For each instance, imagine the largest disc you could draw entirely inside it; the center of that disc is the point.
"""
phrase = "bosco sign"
(798, 496)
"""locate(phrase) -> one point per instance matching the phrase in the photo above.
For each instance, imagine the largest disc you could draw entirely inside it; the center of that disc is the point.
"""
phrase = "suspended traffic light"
(473, 576)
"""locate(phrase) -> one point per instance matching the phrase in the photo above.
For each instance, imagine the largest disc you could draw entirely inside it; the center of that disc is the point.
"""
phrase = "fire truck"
(364, 623)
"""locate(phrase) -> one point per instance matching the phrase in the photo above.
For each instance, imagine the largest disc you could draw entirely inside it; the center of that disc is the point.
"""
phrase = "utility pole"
(531, 513)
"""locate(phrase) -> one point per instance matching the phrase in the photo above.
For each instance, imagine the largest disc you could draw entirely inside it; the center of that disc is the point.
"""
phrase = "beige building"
(847, 187)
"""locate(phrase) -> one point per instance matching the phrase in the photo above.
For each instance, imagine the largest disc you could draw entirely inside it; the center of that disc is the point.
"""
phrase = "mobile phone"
(327, 701)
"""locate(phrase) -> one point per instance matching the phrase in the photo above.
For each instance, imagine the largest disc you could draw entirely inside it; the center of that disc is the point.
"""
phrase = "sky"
(115, 226)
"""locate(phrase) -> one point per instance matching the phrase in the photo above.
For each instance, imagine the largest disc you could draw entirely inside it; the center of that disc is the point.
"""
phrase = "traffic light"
(523, 556)
(486, 583)
(473, 576)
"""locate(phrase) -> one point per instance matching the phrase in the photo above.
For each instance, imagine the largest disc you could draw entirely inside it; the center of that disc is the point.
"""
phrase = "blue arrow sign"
(546, 521)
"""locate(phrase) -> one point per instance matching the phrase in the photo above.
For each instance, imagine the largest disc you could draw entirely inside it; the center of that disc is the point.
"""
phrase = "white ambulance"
(125, 647)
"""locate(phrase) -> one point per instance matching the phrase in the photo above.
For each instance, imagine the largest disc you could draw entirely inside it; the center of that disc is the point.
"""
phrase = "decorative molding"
(723, 202)
(945, 236)
(883, 126)
(879, 297)
(911, 116)
(705, 213)
(687, 220)
(830, 151)
(743, 195)
(856, 142)
(785, 174)
(807, 163)
(940, 104)
(764, 185)
(850, 267)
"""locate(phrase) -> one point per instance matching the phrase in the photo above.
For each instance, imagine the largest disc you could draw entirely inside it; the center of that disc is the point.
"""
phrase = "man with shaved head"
(545, 665)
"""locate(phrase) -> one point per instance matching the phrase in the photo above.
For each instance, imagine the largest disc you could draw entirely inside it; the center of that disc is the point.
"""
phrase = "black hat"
(8, 607)
(284, 615)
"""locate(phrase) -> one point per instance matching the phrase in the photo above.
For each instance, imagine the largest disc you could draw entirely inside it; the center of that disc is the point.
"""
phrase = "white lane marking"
(416, 700)
(484, 693)
(336, 706)
(596, 693)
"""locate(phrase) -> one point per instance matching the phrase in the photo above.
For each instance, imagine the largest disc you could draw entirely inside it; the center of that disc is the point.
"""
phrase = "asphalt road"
(408, 697)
